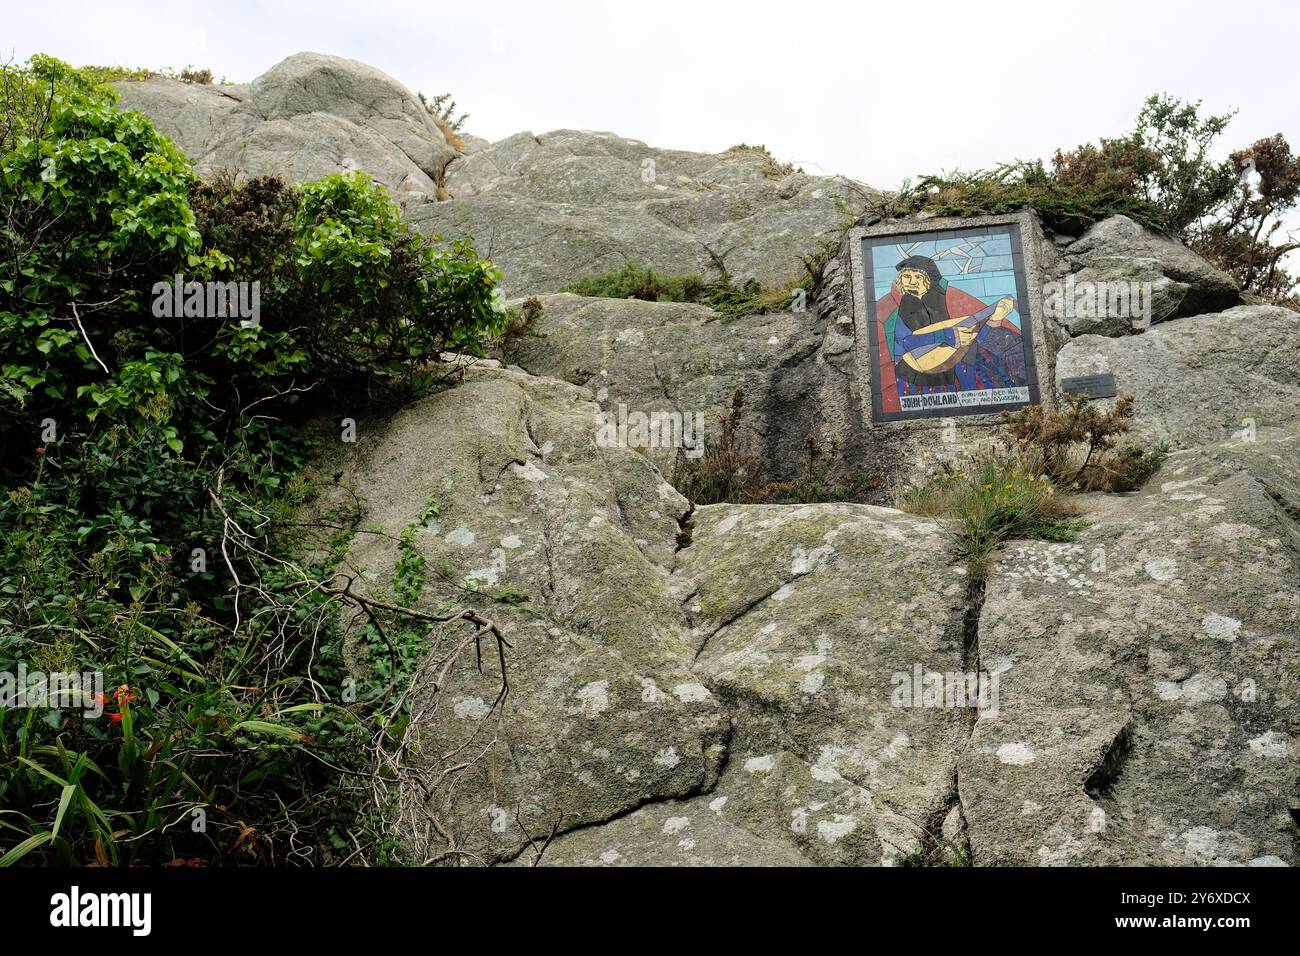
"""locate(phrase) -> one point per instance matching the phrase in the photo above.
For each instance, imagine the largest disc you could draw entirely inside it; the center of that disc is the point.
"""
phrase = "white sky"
(876, 91)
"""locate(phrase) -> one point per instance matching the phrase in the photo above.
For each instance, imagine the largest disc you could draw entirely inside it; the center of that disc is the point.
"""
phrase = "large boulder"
(1149, 697)
(736, 661)
(792, 368)
(722, 685)
(553, 208)
(308, 116)
(1120, 250)
(803, 616)
(1202, 379)
(1149, 700)
(582, 538)
(795, 637)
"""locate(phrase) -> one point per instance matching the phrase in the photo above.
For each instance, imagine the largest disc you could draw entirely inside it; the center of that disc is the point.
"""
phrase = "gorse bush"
(1064, 207)
(519, 325)
(443, 107)
(1248, 240)
(1161, 174)
(772, 168)
(1077, 445)
(442, 110)
(150, 468)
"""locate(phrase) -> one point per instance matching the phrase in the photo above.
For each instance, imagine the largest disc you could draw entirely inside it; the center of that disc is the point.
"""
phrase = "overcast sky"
(876, 91)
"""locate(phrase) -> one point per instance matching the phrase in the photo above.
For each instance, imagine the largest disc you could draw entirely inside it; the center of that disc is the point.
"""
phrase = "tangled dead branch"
(410, 779)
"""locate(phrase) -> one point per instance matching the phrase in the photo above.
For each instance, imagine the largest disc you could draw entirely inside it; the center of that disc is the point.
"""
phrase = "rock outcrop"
(547, 209)
(553, 208)
(721, 676)
(719, 685)
(756, 684)
(792, 368)
(1120, 250)
(1199, 380)
(308, 116)
(1149, 693)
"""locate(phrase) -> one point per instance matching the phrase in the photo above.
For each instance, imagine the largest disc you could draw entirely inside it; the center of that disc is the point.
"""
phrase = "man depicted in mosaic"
(935, 333)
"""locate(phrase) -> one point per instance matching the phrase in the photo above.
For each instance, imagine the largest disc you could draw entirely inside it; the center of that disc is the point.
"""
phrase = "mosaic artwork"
(949, 324)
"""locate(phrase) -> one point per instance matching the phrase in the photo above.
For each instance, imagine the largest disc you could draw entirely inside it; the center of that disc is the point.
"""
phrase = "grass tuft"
(994, 499)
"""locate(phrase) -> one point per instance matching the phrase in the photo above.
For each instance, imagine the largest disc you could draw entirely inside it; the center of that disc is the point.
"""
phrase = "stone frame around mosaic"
(1025, 235)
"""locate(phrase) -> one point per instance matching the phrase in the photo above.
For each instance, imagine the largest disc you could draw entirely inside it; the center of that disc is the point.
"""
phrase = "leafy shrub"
(97, 207)
(204, 754)
(374, 295)
(150, 470)
(347, 282)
